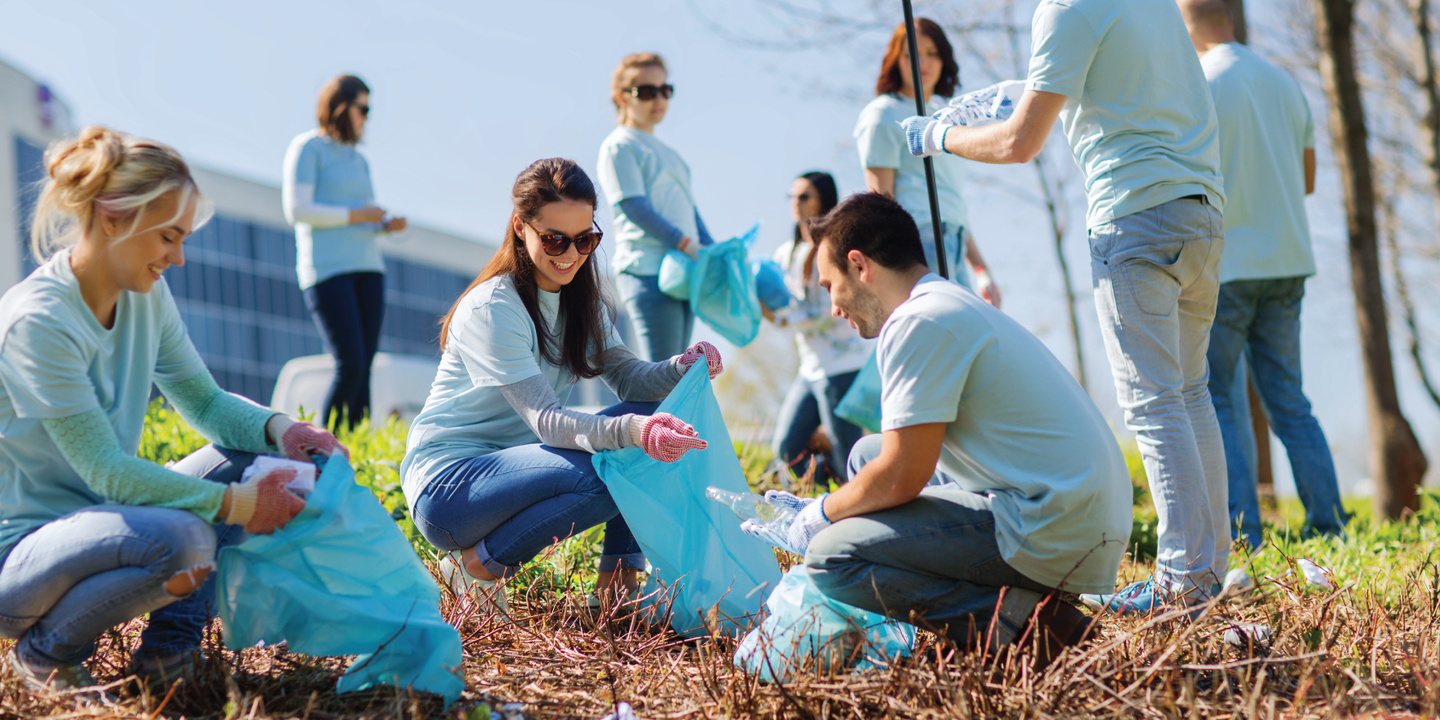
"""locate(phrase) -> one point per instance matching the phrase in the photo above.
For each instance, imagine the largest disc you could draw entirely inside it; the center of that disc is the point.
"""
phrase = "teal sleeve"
(1062, 47)
(227, 420)
(87, 442)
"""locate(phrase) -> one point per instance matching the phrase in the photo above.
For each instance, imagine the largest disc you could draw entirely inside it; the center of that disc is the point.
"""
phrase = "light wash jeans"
(1156, 279)
(512, 504)
(1261, 320)
(807, 407)
(954, 250)
(82, 574)
(662, 324)
(935, 556)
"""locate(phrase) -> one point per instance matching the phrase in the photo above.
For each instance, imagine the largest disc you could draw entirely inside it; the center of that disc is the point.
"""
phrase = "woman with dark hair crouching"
(496, 467)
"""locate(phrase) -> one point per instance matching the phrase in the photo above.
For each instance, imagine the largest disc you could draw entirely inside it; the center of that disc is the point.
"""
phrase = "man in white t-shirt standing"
(1267, 155)
(1033, 498)
(1120, 77)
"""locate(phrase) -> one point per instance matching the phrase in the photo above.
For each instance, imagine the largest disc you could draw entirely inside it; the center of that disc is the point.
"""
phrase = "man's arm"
(906, 463)
(1016, 140)
(880, 180)
(1309, 170)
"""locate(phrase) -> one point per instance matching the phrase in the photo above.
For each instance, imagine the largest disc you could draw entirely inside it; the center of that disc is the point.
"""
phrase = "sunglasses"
(556, 244)
(802, 197)
(364, 110)
(650, 92)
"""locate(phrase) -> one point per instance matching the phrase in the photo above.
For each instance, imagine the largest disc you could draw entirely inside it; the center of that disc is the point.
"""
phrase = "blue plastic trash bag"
(694, 544)
(675, 270)
(861, 403)
(770, 284)
(341, 579)
(808, 629)
(722, 289)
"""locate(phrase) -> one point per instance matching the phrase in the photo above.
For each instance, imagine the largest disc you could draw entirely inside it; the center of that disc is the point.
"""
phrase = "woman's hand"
(262, 504)
(301, 440)
(664, 437)
(395, 224)
(986, 288)
(693, 354)
(690, 247)
(367, 215)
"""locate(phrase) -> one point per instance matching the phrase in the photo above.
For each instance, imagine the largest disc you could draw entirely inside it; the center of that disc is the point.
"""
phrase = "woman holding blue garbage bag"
(648, 187)
(90, 535)
(496, 468)
(891, 170)
(831, 352)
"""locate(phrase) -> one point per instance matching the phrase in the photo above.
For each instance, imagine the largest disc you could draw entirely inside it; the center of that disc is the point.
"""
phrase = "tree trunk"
(1430, 134)
(1396, 460)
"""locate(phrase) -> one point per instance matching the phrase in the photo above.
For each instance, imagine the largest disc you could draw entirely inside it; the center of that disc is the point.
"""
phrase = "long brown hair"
(889, 80)
(583, 306)
(333, 107)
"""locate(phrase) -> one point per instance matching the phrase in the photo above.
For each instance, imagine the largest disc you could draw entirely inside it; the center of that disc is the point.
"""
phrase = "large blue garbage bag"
(674, 278)
(693, 543)
(722, 289)
(806, 627)
(770, 284)
(861, 403)
(341, 579)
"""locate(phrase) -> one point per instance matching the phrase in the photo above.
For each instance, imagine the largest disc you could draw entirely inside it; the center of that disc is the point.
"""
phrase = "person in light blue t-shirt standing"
(648, 187)
(1130, 94)
(1267, 155)
(330, 201)
(891, 170)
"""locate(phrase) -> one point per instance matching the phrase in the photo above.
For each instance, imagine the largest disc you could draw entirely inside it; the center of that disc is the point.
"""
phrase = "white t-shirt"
(881, 142)
(57, 361)
(826, 344)
(1138, 118)
(1019, 430)
(492, 343)
(634, 163)
(1265, 128)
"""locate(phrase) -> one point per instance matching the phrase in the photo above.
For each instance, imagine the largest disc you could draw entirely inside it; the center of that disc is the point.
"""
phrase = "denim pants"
(1156, 280)
(82, 574)
(807, 407)
(512, 504)
(662, 324)
(349, 310)
(1261, 319)
(954, 250)
(935, 556)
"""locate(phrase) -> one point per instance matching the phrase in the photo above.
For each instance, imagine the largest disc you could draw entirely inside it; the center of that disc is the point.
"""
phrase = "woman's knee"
(183, 541)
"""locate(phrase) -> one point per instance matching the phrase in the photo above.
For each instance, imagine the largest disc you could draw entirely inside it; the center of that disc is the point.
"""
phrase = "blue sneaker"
(1139, 598)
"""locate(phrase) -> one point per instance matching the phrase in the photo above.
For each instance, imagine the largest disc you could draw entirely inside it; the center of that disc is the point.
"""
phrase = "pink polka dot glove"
(664, 437)
(693, 354)
(262, 503)
(301, 440)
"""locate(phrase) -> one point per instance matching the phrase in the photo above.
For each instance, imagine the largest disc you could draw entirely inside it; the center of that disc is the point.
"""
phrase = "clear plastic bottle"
(750, 506)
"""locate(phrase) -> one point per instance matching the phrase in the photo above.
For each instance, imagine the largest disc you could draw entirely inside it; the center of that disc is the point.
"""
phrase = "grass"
(1368, 647)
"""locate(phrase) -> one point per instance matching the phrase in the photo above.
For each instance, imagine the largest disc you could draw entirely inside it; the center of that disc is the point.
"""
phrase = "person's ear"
(860, 264)
(109, 225)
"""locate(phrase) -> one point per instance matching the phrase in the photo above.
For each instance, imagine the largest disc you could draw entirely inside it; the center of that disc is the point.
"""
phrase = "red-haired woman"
(496, 468)
(892, 170)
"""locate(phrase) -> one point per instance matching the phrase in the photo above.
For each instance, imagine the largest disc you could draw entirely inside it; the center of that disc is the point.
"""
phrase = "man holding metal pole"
(1129, 91)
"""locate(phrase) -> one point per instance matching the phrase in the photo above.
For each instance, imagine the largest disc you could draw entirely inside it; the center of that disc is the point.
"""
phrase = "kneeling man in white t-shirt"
(996, 489)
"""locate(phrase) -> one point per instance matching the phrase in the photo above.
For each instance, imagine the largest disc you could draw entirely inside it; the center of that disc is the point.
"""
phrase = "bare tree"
(1396, 460)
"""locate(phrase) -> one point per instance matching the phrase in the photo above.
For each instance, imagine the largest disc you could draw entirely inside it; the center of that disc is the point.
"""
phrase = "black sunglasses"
(556, 244)
(364, 110)
(649, 92)
(802, 197)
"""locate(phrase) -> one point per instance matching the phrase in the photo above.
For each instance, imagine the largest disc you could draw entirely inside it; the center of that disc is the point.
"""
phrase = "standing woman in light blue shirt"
(891, 170)
(330, 201)
(648, 188)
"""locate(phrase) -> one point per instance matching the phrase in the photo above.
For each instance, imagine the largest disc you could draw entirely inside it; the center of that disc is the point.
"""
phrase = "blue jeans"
(807, 407)
(1261, 319)
(512, 504)
(935, 556)
(662, 324)
(349, 310)
(1156, 280)
(78, 576)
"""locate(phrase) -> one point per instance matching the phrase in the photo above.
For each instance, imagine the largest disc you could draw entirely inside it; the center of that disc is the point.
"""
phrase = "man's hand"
(1017, 140)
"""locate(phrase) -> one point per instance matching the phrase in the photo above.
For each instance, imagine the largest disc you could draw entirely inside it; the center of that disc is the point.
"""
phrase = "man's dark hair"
(875, 225)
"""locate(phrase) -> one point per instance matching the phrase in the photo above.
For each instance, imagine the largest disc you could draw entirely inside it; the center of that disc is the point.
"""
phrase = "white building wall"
(22, 114)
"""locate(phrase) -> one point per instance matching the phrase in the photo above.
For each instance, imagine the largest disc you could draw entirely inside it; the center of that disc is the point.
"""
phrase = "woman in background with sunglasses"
(496, 468)
(648, 187)
(329, 199)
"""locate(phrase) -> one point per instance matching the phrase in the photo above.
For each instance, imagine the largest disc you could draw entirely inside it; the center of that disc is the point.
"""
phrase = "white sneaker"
(489, 595)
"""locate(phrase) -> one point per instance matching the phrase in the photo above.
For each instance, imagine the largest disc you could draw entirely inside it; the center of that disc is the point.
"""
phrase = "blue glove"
(780, 498)
(925, 135)
(802, 529)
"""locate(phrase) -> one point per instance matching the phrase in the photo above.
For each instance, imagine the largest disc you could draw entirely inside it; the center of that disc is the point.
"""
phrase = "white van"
(399, 384)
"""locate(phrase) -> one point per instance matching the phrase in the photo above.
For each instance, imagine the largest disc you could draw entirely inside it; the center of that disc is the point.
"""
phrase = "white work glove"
(924, 135)
(803, 527)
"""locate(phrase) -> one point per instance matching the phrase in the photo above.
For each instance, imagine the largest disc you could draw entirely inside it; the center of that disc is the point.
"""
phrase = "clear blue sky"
(467, 94)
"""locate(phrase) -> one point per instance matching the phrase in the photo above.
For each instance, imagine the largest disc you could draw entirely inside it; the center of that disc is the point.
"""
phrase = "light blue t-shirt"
(56, 361)
(881, 142)
(1019, 430)
(1265, 128)
(634, 163)
(492, 343)
(341, 178)
(1138, 118)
